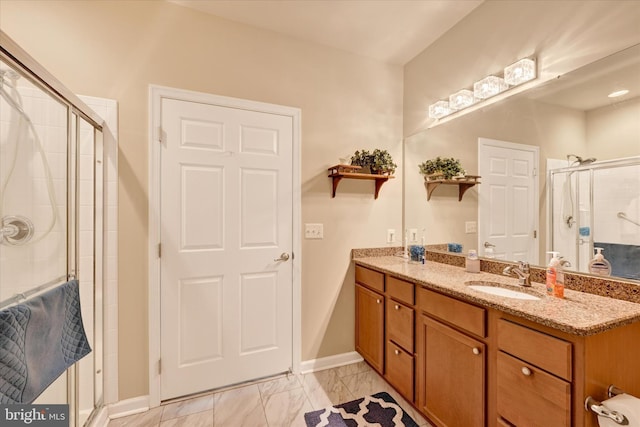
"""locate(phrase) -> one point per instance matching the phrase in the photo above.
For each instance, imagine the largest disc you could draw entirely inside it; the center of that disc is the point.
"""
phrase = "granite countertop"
(579, 313)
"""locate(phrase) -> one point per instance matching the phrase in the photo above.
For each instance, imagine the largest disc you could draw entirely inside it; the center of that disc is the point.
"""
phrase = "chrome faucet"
(522, 271)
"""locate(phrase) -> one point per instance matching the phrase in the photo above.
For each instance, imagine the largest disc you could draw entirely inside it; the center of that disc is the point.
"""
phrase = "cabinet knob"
(526, 371)
(476, 350)
(378, 301)
(397, 307)
(397, 352)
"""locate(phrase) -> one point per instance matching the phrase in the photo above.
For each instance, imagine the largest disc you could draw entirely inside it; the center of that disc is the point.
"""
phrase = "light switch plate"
(391, 235)
(314, 231)
(470, 227)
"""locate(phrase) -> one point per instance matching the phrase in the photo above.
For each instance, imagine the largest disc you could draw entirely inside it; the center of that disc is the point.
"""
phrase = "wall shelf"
(337, 172)
(463, 185)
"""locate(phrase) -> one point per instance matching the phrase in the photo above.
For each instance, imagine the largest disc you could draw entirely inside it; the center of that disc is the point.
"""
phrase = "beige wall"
(563, 35)
(115, 49)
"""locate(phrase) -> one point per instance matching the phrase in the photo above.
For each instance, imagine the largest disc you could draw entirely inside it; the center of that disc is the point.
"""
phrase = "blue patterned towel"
(39, 340)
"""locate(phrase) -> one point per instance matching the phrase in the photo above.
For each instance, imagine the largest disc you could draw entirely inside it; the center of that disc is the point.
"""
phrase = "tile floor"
(278, 402)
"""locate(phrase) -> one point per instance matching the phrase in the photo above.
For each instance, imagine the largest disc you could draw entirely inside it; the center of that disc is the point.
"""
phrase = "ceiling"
(587, 88)
(392, 31)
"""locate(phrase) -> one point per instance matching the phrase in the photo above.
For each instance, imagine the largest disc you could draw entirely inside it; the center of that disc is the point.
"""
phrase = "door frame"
(535, 150)
(156, 95)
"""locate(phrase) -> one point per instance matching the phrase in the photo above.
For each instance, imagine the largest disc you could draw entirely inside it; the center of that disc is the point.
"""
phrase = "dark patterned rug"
(378, 410)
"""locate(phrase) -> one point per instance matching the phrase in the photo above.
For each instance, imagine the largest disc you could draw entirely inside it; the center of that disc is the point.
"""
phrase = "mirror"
(570, 115)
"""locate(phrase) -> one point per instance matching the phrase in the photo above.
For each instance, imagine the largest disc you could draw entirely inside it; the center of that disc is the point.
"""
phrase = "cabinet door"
(370, 326)
(453, 383)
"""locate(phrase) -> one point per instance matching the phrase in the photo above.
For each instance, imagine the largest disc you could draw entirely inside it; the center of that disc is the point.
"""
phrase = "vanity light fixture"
(461, 99)
(519, 72)
(618, 93)
(439, 109)
(489, 86)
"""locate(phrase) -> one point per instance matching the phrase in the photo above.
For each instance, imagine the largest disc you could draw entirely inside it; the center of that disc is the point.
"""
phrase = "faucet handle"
(524, 266)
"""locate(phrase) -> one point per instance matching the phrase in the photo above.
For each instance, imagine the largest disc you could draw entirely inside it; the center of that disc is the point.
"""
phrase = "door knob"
(489, 245)
(283, 257)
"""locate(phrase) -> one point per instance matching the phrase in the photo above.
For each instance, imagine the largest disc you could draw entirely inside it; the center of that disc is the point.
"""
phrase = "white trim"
(100, 419)
(488, 142)
(124, 408)
(156, 94)
(330, 362)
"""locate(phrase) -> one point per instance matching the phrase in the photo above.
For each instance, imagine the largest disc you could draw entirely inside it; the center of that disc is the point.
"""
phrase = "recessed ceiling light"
(618, 93)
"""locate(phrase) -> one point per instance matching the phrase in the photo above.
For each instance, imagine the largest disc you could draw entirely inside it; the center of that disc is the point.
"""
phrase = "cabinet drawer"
(544, 351)
(370, 278)
(400, 290)
(399, 370)
(458, 313)
(528, 396)
(400, 324)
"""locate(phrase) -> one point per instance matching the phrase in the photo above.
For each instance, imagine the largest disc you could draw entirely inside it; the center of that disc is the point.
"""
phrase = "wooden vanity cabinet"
(465, 365)
(369, 333)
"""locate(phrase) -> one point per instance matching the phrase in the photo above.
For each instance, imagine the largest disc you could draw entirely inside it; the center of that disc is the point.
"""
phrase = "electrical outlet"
(470, 227)
(413, 235)
(314, 231)
(391, 235)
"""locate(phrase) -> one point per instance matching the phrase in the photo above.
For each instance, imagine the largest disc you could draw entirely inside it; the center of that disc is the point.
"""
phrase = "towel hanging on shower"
(39, 340)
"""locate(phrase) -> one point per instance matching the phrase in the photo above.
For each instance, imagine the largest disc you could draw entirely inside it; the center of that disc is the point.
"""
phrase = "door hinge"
(162, 135)
(535, 234)
(159, 366)
(159, 250)
(535, 172)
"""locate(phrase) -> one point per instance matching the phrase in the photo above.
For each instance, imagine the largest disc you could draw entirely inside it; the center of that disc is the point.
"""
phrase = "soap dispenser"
(472, 262)
(552, 271)
(599, 265)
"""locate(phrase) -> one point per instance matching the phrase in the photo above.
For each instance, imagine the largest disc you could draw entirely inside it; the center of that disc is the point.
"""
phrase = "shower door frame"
(605, 164)
(77, 111)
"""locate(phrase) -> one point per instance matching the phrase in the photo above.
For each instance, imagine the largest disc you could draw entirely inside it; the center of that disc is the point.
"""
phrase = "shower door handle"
(283, 257)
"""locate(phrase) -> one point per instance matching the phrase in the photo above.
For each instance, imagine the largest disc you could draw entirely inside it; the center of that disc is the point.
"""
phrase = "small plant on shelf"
(441, 168)
(378, 162)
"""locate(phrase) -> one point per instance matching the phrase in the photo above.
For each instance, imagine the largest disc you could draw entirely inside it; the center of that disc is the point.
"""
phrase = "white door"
(508, 200)
(226, 218)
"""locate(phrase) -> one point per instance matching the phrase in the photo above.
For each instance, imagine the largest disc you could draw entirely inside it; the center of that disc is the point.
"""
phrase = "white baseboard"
(127, 407)
(329, 362)
(100, 419)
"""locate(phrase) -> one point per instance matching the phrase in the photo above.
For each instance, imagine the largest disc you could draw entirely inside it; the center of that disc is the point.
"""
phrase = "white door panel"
(226, 215)
(508, 204)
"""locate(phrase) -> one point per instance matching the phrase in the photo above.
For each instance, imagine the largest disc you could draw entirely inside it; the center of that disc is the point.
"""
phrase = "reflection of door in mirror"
(593, 206)
(507, 199)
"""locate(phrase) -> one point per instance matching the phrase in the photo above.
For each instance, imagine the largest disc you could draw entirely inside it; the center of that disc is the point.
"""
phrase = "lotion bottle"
(558, 289)
(552, 271)
(599, 265)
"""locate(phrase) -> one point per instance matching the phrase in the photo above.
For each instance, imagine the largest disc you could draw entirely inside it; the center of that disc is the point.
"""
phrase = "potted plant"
(378, 162)
(363, 159)
(441, 168)
(382, 162)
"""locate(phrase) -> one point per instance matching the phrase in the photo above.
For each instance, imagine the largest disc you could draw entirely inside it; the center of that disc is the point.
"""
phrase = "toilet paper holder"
(591, 404)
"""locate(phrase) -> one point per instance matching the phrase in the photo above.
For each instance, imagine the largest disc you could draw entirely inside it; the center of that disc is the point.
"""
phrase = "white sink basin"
(502, 292)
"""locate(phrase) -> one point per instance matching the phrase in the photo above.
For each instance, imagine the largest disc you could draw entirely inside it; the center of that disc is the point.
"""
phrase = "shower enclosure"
(596, 205)
(51, 211)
